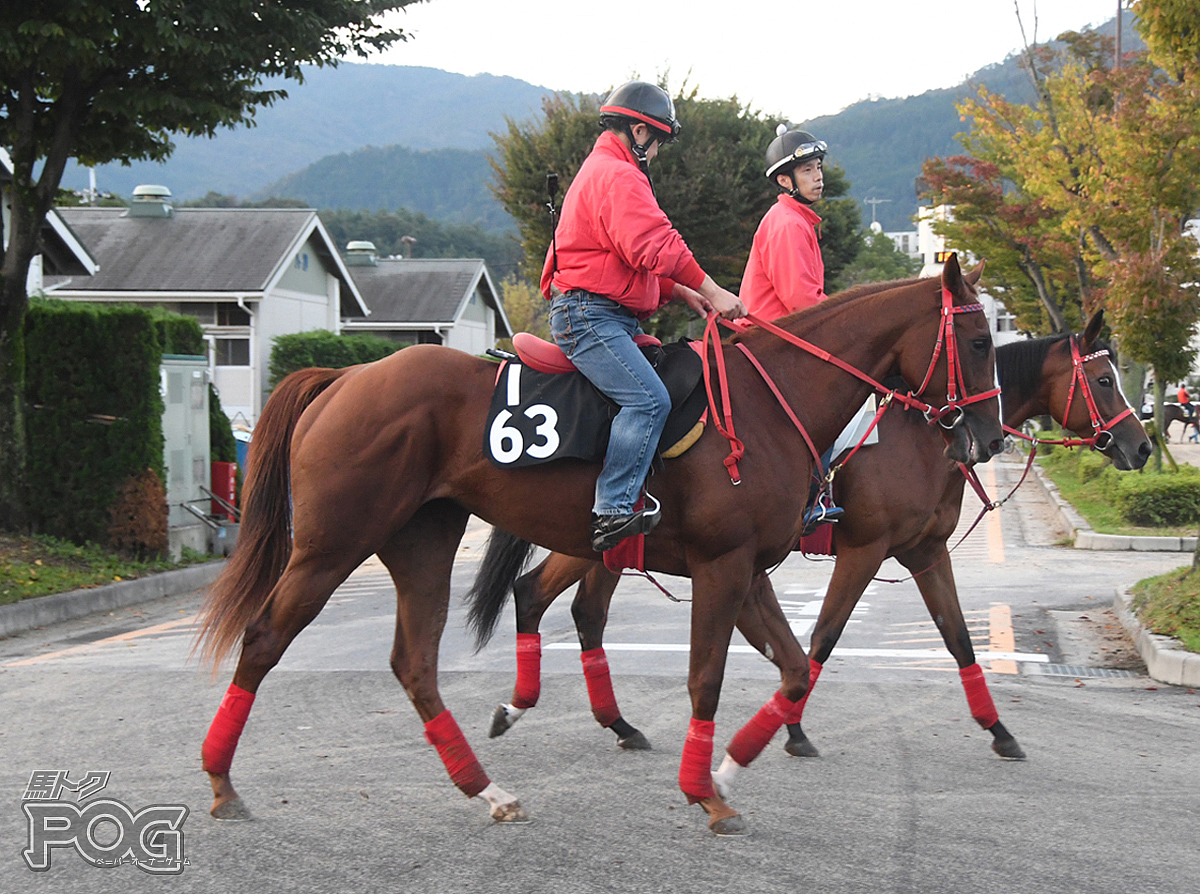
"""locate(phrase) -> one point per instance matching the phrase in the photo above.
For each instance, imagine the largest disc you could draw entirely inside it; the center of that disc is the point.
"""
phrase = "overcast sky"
(798, 59)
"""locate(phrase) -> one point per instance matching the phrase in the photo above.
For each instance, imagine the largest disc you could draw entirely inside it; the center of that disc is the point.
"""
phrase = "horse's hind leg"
(534, 592)
(941, 598)
(420, 558)
(296, 599)
(590, 611)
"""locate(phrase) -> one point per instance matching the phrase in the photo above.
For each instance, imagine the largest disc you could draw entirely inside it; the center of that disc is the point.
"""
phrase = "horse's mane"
(1019, 363)
(833, 302)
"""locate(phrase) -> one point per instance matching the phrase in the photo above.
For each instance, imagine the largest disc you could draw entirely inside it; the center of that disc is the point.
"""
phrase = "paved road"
(907, 796)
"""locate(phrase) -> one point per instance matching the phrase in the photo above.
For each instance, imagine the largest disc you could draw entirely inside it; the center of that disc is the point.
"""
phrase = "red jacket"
(613, 239)
(785, 271)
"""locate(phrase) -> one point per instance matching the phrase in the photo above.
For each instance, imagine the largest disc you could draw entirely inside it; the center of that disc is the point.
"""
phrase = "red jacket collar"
(611, 144)
(805, 211)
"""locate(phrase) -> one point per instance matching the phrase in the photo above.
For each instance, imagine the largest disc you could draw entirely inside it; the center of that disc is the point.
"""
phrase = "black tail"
(503, 561)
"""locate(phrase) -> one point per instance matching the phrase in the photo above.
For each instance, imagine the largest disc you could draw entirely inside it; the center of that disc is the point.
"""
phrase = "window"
(232, 315)
(233, 352)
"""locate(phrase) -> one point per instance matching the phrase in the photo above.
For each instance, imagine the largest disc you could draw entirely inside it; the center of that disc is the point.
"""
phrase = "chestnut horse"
(387, 459)
(902, 499)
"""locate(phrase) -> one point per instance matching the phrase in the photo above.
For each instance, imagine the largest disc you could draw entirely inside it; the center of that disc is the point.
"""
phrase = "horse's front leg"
(718, 590)
(941, 598)
(764, 625)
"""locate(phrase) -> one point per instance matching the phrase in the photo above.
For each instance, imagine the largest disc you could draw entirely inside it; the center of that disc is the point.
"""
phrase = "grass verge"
(1170, 604)
(38, 566)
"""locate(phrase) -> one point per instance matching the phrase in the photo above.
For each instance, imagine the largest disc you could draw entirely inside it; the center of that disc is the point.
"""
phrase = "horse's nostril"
(1144, 449)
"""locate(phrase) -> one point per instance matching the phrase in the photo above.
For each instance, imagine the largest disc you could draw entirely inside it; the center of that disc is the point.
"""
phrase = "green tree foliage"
(877, 261)
(109, 80)
(320, 347)
(387, 229)
(527, 310)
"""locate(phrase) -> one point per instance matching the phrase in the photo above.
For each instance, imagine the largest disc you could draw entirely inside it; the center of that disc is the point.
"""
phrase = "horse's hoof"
(1008, 749)
(234, 810)
(503, 719)
(511, 813)
(800, 746)
(635, 742)
(729, 826)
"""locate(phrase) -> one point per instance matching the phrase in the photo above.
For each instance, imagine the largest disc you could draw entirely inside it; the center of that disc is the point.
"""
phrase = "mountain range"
(381, 137)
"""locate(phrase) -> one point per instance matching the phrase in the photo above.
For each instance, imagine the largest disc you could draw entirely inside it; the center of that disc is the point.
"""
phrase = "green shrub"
(1170, 498)
(94, 423)
(323, 348)
(1091, 465)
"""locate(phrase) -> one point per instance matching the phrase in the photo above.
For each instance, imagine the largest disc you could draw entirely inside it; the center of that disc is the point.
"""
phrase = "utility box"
(184, 379)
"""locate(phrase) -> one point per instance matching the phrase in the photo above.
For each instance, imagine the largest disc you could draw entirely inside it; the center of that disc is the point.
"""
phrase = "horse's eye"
(1105, 381)
(981, 345)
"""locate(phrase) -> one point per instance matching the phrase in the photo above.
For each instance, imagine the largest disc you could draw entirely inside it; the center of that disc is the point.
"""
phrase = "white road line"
(1035, 657)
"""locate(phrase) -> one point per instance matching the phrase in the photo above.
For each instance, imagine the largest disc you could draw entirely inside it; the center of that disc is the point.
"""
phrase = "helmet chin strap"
(639, 151)
(794, 192)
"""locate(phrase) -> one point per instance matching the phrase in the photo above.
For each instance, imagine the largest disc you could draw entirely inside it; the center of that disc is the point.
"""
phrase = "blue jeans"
(597, 334)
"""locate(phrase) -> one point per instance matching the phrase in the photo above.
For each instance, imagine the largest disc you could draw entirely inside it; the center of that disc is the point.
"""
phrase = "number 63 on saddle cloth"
(537, 416)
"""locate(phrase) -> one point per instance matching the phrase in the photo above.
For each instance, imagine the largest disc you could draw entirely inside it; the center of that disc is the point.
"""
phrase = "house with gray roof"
(443, 301)
(59, 250)
(247, 274)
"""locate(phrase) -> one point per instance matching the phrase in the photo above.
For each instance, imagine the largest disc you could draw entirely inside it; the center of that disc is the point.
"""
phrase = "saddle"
(543, 409)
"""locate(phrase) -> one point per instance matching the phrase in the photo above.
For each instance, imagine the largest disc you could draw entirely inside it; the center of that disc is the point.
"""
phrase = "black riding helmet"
(648, 103)
(790, 148)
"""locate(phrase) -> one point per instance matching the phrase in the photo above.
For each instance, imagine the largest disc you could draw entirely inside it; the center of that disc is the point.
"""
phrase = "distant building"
(931, 249)
(247, 275)
(451, 302)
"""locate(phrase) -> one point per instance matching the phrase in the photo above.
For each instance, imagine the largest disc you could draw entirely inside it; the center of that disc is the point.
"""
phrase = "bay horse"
(387, 459)
(902, 498)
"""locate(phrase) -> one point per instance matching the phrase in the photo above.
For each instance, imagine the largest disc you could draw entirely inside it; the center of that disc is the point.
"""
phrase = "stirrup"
(820, 514)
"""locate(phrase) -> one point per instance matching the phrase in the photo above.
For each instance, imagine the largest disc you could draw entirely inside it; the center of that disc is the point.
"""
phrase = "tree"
(110, 80)
(877, 261)
(710, 183)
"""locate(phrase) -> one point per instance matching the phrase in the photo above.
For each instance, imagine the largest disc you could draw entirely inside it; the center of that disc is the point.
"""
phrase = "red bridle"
(954, 383)
(1101, 438)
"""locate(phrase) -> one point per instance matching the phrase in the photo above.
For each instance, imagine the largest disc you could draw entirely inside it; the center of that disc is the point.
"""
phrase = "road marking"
(119, 638)
(1002, 638)
(838, 653)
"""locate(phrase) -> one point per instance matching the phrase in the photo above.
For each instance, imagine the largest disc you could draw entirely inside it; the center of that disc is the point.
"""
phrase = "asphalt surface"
(906, 797)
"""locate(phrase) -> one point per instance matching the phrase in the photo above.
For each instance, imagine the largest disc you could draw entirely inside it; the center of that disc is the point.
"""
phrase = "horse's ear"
(1093, 330)
(973, 276)
(952, 278)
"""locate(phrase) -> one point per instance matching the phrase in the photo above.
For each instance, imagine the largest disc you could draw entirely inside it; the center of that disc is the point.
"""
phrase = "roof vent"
(150, 200)
(361, 253)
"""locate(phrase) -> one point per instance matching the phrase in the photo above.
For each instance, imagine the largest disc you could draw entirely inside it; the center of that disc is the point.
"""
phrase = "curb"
(42, 611)
(1083, 537)
(1165, 660)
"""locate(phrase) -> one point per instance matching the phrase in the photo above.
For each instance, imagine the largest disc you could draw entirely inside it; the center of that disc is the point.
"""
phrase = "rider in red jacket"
(785, 271)
(614, 260)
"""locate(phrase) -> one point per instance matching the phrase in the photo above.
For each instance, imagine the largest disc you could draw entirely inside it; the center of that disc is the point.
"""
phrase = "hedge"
(94, 421)
(302, 350)
(1165, 500)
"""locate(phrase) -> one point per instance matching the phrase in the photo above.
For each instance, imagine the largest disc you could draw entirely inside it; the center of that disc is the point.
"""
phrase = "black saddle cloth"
(537, 417)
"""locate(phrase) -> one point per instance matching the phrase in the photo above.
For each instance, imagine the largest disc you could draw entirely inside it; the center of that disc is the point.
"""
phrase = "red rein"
(946, 340)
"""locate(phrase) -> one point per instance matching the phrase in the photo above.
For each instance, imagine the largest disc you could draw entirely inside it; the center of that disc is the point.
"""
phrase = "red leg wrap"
(222, 739)
(695, 767)
(529, 670)
(464, 768)
(599, 686)
(752, 738)
(814, 671)
(978, 698)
